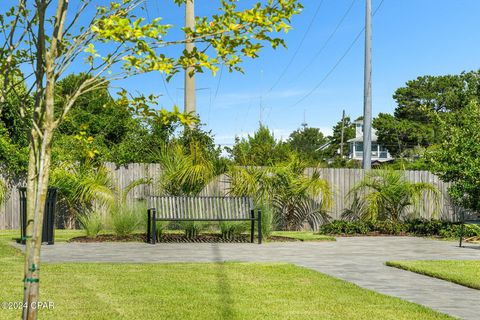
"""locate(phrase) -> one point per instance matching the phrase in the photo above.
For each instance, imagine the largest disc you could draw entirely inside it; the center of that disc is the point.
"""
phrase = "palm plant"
(186, 170)
(84, 186)
(127, 217)
(388, 195)
(80, 186)
(356, 210)
(296, 199)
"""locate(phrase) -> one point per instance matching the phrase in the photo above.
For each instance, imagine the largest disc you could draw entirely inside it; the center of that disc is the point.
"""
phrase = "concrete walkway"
(359, 260)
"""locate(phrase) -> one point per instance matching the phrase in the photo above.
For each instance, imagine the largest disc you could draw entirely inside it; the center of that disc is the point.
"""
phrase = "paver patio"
(360, 260)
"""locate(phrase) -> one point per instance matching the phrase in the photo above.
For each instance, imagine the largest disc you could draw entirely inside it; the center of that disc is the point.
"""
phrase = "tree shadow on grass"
(223, 285)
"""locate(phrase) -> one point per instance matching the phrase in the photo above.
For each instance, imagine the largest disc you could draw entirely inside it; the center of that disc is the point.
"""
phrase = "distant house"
(379, 152)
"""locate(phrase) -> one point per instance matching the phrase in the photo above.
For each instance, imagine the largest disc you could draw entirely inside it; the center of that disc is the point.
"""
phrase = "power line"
(218, 84)
(329, 73)
(215, 94)
(298, 47)
(331, 70)
(330, 37)
(166, 89)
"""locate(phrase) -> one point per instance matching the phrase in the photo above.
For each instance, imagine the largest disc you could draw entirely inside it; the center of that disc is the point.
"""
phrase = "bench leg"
(462, 230)
(259, 227)
(154, 226)
(252, 226)
(149, 222)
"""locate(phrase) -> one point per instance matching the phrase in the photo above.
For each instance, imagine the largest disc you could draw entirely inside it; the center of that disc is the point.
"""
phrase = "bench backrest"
(201, 208)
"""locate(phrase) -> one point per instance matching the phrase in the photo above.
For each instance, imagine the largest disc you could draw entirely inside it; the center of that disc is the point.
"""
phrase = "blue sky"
(410, 38)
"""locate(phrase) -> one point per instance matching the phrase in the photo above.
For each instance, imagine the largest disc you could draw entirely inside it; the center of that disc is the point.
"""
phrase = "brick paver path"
(360, 260)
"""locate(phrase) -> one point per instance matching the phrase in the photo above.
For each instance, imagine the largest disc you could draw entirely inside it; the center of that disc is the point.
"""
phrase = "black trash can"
(48, 220)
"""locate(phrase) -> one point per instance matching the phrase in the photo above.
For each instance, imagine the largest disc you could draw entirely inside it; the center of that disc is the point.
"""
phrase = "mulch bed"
(176, 238)
(472, 240)
(111, 238)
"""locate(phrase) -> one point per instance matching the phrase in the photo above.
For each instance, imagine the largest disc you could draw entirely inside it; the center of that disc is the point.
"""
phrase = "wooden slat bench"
(170, 208)
(467, 218)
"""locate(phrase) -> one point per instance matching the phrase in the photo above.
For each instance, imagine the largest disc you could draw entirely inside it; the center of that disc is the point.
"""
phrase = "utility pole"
(304, 123)
(342, 134)
(367, 99)
(189, 98)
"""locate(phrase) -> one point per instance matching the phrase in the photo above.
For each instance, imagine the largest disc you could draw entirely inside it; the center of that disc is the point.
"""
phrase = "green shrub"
(126, 220)
(431, 227)
(346, 227)
(160, 228)
(389, 227)
(471, 230)
(231, 230)
(267, 220)
(192, 228)
(418, 227)
(92, 223)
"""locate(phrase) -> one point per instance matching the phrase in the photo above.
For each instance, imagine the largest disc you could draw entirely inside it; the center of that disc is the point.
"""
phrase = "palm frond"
(132, 185)
(296, 198)
(388, 195)
(186, 171)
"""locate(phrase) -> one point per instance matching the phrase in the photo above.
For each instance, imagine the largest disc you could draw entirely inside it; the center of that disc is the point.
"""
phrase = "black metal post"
(148, 225)
(23, 215)
(252, 226)
(154, 226)
(259, 226)
(462, 230)
(48, 230)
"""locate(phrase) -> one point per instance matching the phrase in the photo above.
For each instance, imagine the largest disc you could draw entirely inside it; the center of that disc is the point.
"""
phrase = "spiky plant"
(79, 186)
(388, 195)
(186, 170)
(295, 197)
(356, 210)
(92, 223)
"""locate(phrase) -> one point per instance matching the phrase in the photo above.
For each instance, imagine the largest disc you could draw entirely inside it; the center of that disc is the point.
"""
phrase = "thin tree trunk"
(32, 275)
(43, 127)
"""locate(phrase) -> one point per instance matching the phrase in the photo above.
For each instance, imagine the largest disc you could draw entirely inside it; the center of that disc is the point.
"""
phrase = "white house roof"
(360, 138)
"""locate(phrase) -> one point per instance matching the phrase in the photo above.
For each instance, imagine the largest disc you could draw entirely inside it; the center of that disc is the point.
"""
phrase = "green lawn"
(60, 235)
(196, 291)
(303, 235)
(463, 272)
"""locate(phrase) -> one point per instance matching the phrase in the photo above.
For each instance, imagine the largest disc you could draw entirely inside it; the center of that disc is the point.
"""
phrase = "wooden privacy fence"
(340, 180)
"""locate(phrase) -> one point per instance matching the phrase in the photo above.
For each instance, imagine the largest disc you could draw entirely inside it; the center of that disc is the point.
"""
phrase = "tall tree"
(455, 159)
(419, 103)
(307, 141)
(261, 149)
(14, 133)
(401, 135)
(115, 44)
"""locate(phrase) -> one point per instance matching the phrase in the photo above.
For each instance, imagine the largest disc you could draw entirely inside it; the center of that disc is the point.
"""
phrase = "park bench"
(467, 218)
(212, 208)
